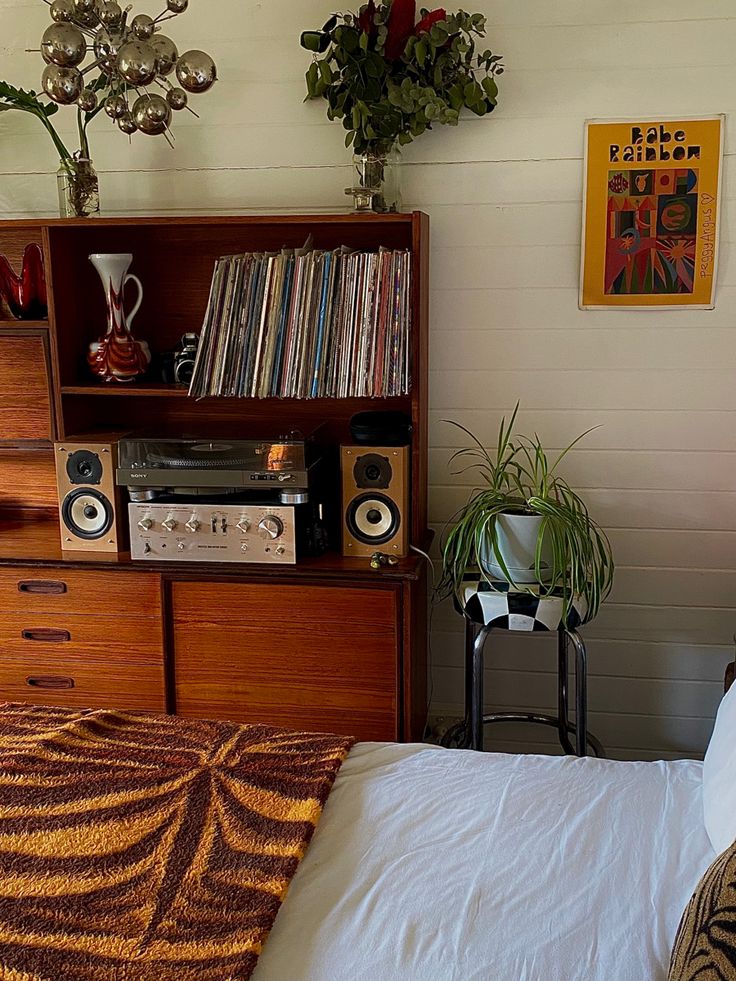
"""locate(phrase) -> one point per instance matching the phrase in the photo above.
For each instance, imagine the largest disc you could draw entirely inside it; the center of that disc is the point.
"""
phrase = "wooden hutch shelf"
(327, 644)
(24, 324)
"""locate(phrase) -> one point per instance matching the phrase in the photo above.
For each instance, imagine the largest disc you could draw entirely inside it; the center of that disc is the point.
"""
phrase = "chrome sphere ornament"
(115, 106)
(196, 71)
(143, 27)
(62, 11)
(64, 45)
(126, 123)
(177, 99)
(137, 63)
(102, 54)
(166, 54)
(63, 85)
(107, 47)
(152, 114)
(87, 101)
(85, 13)
(111, 13)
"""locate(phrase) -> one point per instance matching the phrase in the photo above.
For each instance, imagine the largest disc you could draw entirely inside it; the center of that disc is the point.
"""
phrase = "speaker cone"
(373, 519)
(87, 514)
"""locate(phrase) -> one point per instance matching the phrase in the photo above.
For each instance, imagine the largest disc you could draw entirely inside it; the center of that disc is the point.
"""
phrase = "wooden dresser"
(328, 644)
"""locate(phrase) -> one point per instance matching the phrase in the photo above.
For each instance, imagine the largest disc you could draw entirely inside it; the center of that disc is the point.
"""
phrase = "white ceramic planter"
(516, 536)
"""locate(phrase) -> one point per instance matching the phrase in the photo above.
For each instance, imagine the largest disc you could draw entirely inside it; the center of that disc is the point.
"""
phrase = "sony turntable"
(222, 500)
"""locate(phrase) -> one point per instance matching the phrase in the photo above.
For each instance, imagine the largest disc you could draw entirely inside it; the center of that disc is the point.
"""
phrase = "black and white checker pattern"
(494, 603)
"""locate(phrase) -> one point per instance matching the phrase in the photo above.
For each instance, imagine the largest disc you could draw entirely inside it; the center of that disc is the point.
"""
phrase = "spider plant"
(572, 553)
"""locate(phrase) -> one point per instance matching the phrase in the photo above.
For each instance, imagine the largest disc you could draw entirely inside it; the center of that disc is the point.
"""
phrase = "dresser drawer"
(125, 640)
(63, 590)
(81, 682)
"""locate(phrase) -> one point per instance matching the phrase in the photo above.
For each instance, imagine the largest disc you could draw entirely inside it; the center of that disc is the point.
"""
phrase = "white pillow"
(719, 776)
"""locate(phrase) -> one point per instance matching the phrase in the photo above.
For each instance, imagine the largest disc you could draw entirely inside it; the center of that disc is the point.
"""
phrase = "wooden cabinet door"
(319, 658)
(25, 400)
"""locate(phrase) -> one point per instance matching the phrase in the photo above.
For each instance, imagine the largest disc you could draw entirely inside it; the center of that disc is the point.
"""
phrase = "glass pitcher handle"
(136, 308)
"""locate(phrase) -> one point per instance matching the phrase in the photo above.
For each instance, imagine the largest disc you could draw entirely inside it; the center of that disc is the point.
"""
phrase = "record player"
(222, 500)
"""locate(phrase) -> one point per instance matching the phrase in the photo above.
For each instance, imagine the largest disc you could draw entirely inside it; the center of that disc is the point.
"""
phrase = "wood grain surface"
(102, 593)
(312, 657)
(113, 639)
(108, 683)
(25, 399)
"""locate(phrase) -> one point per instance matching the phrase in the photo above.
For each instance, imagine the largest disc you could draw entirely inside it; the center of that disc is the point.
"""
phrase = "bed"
(426, 863)
(440, 865)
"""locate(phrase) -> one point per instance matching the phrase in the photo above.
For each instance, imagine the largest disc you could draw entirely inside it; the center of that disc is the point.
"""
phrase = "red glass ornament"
(25, 295)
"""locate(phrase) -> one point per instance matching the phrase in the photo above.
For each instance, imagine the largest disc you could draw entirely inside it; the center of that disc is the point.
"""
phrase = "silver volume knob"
(193, 524)
(170, 524)
(145, 524)
(243, 525)
(270, 527)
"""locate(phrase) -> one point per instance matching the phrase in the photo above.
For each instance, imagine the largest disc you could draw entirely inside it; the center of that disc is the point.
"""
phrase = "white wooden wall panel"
(504, 195)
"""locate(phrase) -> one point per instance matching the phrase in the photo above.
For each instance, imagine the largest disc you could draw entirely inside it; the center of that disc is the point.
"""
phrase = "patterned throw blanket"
(149, 848)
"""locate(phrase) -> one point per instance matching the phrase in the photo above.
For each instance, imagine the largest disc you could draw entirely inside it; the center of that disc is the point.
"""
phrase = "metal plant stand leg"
(563, 715)
(581, 693)
(468, 734)
(475, 642)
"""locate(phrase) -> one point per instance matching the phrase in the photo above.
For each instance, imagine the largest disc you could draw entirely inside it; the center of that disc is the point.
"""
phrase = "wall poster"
(650, 213)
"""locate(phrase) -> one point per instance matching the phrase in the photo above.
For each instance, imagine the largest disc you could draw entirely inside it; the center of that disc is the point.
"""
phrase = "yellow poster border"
(594, 217)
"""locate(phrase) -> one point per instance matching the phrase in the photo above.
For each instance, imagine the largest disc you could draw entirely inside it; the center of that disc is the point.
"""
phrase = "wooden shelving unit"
(377, 643)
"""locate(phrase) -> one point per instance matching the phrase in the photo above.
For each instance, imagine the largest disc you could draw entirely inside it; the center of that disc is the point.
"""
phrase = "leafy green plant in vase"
(526, 526)
(390, 78)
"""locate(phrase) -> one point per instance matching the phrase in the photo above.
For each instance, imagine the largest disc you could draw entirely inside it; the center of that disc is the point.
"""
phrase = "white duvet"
(447, 865)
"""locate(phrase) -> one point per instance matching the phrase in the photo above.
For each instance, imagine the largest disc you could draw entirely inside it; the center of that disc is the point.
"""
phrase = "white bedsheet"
(441, 865)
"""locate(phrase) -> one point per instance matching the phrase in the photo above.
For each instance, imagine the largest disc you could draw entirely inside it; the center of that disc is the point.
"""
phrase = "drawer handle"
(47, 635)
(50, 681)
(45, 587)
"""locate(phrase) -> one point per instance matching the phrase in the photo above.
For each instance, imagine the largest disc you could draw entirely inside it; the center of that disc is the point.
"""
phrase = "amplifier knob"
(280, 549)
(270, 527)
(243, 525)
(145, 524)
(170, 524)
(193, 524)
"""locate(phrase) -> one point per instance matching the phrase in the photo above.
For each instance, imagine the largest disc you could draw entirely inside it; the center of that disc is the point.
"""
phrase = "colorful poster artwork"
(650, 217)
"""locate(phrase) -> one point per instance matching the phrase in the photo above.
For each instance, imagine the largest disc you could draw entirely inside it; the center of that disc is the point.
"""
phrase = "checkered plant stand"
(492, 605)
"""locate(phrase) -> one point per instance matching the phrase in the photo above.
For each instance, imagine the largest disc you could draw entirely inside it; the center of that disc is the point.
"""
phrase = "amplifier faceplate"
(212, 533)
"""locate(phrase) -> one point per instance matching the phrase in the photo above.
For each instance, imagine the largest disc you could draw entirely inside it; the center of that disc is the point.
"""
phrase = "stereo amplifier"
(198, 532)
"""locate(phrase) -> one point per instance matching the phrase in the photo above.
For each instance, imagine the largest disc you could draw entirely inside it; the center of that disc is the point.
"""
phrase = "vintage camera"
(184, 359)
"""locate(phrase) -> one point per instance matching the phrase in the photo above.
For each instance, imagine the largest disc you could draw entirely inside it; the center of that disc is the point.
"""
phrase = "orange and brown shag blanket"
(149, 848)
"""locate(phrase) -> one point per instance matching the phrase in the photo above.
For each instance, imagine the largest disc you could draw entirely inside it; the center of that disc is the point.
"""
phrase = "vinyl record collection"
(306, 324)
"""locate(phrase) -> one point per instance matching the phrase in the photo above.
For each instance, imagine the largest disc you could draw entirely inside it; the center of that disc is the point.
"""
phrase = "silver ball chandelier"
(130, 54)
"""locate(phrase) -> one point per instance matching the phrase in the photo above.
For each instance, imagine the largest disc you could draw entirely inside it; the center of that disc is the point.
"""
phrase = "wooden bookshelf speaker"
(90, 515)
(375, 500)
